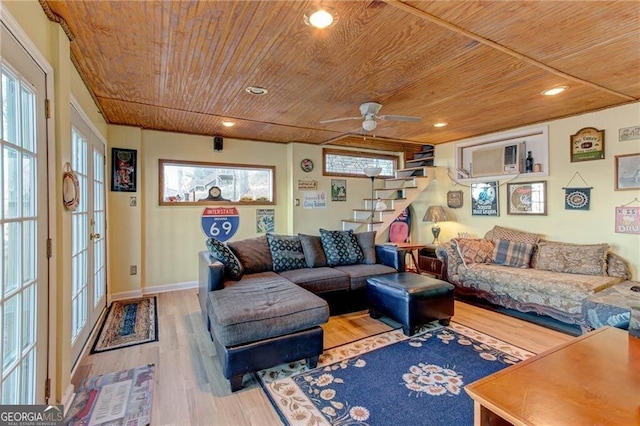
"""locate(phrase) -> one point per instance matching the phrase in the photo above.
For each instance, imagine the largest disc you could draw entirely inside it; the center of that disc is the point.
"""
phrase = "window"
(352, 163)
(193, 183)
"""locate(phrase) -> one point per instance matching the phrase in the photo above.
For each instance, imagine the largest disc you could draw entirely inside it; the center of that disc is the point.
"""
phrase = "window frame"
(164, 162)
(347, 153)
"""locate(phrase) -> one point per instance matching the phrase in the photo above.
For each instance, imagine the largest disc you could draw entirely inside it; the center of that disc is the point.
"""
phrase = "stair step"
(364, 221)
(375, 211)
(399, 178)
(409, 169)
(422, 159)
(384, 199)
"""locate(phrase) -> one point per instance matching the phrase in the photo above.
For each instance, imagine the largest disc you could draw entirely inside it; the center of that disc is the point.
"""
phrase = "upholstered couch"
(259, 295)
(519, 270)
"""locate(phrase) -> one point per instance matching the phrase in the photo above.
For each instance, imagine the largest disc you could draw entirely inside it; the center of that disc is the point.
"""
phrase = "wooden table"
(412, 249)
(592, 380)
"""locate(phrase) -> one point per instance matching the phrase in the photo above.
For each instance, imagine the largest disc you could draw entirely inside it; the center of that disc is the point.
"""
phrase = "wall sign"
(587, 144)
(123, 170)
(628, 220)
(629, 133)
(454, 199)
(220, 222)
(484, 199)
(307, 185)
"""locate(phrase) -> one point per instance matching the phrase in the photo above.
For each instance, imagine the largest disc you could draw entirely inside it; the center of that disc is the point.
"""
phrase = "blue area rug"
(128, 323)
(391, 379)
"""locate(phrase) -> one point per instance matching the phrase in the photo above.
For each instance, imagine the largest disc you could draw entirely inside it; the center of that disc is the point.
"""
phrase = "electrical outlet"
(133, 270)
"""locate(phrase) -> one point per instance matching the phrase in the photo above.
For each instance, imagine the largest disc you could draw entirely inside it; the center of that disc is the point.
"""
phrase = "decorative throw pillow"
(502, 233)
(473, 250)
(313, 251)
(512, 253)
(253, 254)
(232, 267)
(586, 259)
(367, 242)
(341, 247)
(617, 267)
(286, 252)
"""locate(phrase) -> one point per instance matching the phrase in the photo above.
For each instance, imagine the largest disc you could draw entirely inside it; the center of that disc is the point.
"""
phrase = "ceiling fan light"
(320, 17)
(369, 124)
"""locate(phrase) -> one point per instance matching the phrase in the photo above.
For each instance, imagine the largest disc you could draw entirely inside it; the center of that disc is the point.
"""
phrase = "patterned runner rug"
(121, 398)
(390, 379)
(128, 323)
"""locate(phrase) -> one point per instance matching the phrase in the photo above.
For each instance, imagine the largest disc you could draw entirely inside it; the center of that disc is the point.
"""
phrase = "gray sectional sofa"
(259, 296)
(519, 270)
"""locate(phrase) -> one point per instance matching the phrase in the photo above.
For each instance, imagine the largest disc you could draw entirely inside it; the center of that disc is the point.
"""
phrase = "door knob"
(93, 236)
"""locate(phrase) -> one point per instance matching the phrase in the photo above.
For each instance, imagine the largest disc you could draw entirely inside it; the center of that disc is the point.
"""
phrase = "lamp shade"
(372, 171)
(435, 214)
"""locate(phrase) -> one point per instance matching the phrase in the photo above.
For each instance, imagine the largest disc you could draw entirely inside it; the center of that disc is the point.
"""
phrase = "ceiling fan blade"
(400, 118)
(340, 119)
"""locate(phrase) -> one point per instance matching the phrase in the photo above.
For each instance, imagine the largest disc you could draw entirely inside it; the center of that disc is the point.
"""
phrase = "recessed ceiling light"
(555, 90)
(255, 90)
(228, 123)
(321, 17)
(440, 124)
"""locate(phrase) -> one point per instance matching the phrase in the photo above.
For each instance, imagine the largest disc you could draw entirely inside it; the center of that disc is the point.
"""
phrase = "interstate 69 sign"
(220, 222)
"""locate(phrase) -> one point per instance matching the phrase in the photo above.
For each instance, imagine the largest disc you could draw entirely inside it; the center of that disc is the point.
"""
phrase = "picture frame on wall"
(484, 199)
(338, 190)
(123, 170)
(587, 144)
(528, 198)
(627, 172)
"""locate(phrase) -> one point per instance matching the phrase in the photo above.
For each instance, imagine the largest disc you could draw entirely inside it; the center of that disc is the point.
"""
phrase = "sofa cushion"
(586, 259)
(313, 251)
(259, 309)
(232, 267)
(358, 274)
(617, 266)
(473, 250)
(318, 280)
(512, 253)
(502, 233)
(367, 242)
(253, 253)
(286, 252)
(341, 247)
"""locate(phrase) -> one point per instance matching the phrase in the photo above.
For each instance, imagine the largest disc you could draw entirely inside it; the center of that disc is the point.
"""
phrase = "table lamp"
(435, 214)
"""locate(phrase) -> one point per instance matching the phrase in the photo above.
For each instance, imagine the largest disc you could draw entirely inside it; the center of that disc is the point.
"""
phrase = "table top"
(411, 246)
(594, 379)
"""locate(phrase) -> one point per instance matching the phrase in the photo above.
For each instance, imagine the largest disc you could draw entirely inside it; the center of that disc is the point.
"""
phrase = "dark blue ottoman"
(410, 299)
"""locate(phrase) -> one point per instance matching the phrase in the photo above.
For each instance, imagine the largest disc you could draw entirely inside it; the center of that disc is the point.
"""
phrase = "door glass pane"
(29, 188)
(12, 256)
(12, 182)
(28, 118)
(10, 392)
(28, 378)
(29, 251)
(11, 331)
(9, 106)
(28, 316)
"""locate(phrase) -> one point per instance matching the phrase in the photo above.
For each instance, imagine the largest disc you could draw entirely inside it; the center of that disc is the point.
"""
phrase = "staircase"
(397, 193)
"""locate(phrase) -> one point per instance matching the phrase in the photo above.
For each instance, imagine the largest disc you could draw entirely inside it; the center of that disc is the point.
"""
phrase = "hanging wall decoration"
(123, 170)
(577, 198)
(587, 144)
(484, 199)
(628, 218)
(70, 188)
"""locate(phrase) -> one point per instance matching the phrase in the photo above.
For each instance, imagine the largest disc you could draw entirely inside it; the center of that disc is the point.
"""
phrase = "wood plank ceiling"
(480, 66)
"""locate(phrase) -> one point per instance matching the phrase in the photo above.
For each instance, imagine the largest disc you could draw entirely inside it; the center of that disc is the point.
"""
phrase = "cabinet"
(429, 263)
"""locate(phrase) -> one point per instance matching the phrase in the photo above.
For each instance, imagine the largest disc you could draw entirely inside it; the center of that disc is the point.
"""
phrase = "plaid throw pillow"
(341, 247)
(511, 253)
(232, 267)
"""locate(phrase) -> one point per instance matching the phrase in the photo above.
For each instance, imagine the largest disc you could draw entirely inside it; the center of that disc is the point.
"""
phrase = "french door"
(88, 253)
(23, 226)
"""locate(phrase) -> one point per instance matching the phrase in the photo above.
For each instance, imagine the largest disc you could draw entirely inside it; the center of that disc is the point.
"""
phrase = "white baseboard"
(152, 290)
(67, 398)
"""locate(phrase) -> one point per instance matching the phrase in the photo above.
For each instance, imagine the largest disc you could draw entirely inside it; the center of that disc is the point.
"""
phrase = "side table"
(429, 262)
(611, 306)
(411, 250)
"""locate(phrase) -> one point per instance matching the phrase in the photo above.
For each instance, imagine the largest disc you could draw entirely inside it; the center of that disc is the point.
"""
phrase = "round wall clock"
(306, 165)
(214, 192)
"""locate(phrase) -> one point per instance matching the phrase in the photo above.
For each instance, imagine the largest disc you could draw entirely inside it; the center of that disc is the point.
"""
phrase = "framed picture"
(338, 190)
(484, 199)
(123, 170)
(454, 199)
(587, 144)
(527, 198)
(627, 168)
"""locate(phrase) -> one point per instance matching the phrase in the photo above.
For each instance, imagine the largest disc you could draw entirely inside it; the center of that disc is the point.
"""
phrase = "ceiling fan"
(369, 111)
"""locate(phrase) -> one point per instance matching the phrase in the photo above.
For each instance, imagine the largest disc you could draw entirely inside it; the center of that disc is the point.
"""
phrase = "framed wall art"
(338, 190)
(627, 168)
(587, 144)
(527, 198)
(123, 170)
(484, 199)
(454, 199)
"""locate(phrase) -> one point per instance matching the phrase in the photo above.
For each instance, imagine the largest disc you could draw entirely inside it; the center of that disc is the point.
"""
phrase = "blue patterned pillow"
(232, 267)
(512, 253)
(341, 247)
(286, 252)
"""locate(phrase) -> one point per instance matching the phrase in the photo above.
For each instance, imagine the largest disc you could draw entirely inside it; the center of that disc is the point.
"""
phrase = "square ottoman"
(410, 299)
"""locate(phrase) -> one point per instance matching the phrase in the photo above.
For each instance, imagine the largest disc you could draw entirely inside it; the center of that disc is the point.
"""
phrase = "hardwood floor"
(190, 388)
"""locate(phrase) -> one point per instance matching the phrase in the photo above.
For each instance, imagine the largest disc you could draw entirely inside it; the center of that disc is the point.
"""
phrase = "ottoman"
(410, 299)
(261, 324)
